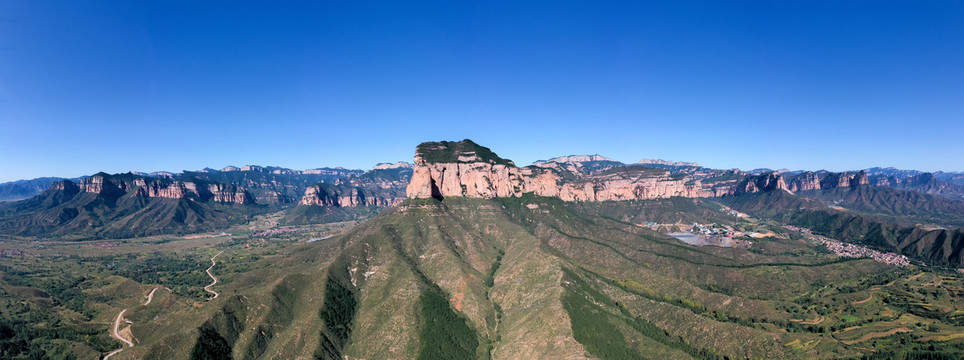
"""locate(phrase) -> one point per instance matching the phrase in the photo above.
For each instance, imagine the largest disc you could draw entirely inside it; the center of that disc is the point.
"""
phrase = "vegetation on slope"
(443, 333)
(450, 151)
(218, 335)
(936, 245)
(337, 315)
(498, 278)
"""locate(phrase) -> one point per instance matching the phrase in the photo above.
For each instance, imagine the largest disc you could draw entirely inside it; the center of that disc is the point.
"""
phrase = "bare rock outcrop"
(345, 196)
(772, 181)
(466, 169)
(229, 194)
(151, 187)
(844, 179)
(808, 180)
(860, 179)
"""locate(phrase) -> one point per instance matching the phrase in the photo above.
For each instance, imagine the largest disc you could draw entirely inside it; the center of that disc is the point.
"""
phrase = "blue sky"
(89, 86)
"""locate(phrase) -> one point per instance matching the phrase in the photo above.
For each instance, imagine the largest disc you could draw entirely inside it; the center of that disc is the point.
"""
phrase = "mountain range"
(464, 255)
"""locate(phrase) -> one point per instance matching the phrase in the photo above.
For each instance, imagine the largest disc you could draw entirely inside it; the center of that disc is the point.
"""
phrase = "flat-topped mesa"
(140, 186)
(466, 169)
(465, 151)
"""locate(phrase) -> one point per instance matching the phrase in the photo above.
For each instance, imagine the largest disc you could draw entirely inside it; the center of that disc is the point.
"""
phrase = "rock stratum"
(466, 169)
(150, 187)
(379, 187)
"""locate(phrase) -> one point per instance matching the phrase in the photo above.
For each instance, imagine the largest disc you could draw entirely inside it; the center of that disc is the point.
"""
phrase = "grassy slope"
(538, 278)
(882, 229)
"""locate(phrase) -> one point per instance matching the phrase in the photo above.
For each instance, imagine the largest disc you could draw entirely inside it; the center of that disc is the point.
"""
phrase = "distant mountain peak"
(577, 158)
(397, 165)
(665, 162)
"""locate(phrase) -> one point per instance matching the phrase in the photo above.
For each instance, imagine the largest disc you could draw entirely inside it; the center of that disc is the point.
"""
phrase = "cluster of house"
(850, 250)
(271, 232)
(711, 230)
(732, 212)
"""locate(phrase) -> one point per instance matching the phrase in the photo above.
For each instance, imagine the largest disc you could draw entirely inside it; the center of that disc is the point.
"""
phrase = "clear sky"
(114, 86)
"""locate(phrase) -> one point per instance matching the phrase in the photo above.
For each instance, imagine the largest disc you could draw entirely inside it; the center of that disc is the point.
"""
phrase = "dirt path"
(150, 296)
(817, 320)
(208, 288)
(874, 335)
(864, 300)
(112, 353)
(116, 325)
(814, 321)
(116, 334)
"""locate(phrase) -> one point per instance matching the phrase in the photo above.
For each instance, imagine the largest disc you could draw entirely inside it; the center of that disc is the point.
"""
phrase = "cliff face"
(67, 186)
(379, 187)
(123, 184)
(345, 196)
(808, 180)
(228, 193)
(465, 169)
(764, 182)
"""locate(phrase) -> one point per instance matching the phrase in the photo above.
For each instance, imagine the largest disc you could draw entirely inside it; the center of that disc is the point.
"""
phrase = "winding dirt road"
(112, 353)
(116, 333)
(208, 288)
(150, 296)
(117, 324)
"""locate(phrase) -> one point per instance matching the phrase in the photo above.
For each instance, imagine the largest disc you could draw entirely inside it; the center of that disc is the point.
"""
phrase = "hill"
(24, 189)
(490, 271)
(129, 205)
(880, 221)
(126, 205)
(501, 278)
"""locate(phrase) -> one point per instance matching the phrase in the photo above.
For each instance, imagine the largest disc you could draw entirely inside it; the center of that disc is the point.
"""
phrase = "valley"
(463, 268)
(452, 180)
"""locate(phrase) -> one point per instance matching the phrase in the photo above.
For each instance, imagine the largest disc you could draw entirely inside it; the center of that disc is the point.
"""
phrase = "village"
(843, 249)
(856, 251)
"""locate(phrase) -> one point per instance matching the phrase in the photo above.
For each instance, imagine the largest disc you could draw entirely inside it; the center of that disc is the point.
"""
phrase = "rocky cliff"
(466, 169)
(150, 187)
(764, 182)
(382, 186)
(345, 196)
(809, 180)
